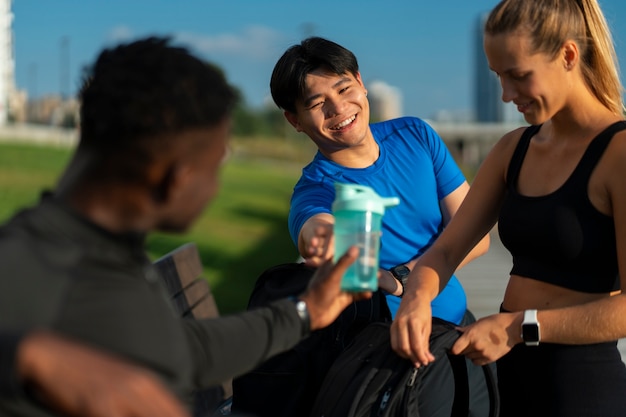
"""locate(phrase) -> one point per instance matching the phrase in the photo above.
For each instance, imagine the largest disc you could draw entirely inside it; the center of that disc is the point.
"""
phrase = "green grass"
(242, 232)
(24, 170)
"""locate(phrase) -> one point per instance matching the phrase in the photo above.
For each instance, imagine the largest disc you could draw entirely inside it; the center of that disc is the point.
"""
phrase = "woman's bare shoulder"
(504, 147)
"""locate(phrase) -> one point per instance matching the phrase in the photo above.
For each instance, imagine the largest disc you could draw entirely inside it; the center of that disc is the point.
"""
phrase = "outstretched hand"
(317, 240)
(79, 381)
(324, 297)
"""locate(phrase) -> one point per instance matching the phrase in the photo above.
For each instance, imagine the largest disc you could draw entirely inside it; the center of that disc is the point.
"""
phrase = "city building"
(385, 101)
(488, 104)
(7, 63)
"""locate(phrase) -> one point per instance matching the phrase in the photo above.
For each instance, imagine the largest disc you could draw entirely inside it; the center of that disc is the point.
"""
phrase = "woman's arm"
(449, 206)
(473, 220)
(594, 321)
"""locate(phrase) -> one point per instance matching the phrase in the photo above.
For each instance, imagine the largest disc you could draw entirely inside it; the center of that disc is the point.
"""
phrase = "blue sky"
(423, 48)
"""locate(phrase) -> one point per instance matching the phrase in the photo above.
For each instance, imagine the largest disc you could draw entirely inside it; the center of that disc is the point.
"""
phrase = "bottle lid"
(355, 197)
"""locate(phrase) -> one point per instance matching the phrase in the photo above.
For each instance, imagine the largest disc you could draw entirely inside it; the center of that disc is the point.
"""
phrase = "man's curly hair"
(145, 91)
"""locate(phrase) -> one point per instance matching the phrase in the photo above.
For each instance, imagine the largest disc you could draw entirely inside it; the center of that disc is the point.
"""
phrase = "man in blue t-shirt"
(318, 86)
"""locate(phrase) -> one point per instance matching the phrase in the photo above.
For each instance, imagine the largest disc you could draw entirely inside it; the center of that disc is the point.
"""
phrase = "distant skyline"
(424, 49)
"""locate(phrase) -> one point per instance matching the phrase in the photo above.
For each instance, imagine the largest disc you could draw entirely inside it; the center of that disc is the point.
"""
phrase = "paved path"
(485, 279)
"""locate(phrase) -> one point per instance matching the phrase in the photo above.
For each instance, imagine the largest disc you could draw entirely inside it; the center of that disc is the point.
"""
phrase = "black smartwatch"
(401, 274)
(530, 328)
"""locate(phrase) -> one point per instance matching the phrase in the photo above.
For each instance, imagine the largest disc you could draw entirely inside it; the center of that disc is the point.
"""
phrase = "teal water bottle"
(358, 213)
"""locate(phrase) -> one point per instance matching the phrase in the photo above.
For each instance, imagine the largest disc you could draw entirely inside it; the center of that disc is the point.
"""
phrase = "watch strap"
(401, 274)
(401, 282)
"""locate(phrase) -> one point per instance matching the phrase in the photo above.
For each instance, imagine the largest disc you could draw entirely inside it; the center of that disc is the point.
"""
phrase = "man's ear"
(358, 78)
(293, 120)
(166, 183)
(360, 81)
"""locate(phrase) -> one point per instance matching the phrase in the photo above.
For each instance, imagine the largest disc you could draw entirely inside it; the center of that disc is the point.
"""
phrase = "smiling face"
(334, 113)
(536, 82)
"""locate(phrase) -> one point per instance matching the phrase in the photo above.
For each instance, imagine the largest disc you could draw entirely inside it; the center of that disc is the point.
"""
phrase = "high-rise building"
(7, 63)
(488, 104)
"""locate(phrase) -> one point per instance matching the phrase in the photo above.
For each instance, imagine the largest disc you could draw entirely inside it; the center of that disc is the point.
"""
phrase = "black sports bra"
(561, 238)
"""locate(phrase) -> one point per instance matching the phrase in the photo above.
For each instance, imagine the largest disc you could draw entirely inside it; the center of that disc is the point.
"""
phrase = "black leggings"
(563, 381)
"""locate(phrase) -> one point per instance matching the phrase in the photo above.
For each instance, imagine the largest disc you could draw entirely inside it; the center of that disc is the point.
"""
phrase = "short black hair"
(289, 74)
(148, 87)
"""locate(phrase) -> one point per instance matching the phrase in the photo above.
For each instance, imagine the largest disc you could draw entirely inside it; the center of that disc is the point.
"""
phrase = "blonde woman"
(557, 191)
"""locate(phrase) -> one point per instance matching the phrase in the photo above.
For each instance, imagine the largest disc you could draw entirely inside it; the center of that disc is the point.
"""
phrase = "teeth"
(344, 123)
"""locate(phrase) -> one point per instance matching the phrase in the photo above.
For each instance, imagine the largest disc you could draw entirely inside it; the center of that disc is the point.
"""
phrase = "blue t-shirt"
(414, 165)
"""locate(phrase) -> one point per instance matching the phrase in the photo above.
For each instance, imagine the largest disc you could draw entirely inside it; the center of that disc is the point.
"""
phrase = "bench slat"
(181, 271)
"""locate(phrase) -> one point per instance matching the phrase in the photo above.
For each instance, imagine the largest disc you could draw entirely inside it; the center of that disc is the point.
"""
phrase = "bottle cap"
(355, 197)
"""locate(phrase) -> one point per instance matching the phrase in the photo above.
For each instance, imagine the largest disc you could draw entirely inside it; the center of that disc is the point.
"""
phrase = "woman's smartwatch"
(531, 334)
(401, 274)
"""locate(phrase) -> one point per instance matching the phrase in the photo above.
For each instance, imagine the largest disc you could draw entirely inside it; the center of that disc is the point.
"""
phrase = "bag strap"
(492, 388)
(460, 405)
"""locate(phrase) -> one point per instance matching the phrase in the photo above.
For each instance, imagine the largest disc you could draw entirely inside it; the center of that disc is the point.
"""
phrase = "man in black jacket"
(155, 123)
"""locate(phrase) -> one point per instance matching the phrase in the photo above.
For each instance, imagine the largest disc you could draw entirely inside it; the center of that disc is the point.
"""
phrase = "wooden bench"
(181, 270)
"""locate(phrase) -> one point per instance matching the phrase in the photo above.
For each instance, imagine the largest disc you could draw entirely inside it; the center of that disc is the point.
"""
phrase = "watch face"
(530, 333)
(400, 271)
